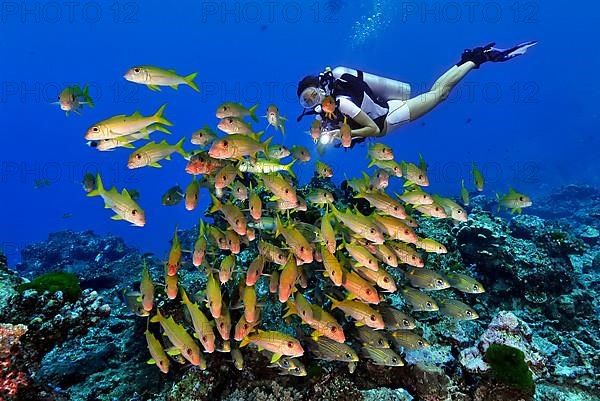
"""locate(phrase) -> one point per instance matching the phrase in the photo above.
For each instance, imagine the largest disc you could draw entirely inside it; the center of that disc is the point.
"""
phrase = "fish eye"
(189, 351)
(405, 322)
(95, 129)
(160, 363)
(287, 191)
(290, 344)
(245, 326)
(225, 143)
(521, 198)
(237, 221)
(414, 258)
(136, 70)
(224, 108)
(421, 343)
(469, 313)
(134, 212)
(368, 291)
(221, 325)
(372, 231)
(296, 369)
(428, 305)
(440, 282)
(203, 338)
(386, 280)
(420, 177)
(333, 329)
(475, 287)
(59, 98)
(373, 318)
(406, 232)
(348, 355)
(394, 360)
(380, 342)
(138, 156)
(395, 208)
(230, 120)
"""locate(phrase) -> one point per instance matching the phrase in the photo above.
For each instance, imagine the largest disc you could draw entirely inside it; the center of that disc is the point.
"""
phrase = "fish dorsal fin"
(125, 193)
(136, 114)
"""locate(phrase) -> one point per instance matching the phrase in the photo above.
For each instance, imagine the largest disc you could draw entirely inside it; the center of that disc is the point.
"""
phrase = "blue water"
(533, 121)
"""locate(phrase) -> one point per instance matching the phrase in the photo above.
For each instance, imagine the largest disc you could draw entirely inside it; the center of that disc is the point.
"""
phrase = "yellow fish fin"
(151, 362)
(275, 357)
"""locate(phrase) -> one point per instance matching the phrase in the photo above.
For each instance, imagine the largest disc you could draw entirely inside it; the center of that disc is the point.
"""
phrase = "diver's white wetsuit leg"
(424, 103)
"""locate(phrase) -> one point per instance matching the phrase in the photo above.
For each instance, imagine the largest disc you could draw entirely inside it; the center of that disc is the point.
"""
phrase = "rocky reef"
(541, 271)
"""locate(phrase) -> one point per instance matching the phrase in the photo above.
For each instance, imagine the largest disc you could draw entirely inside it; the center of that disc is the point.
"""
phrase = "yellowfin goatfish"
(299, 152)
(406, 254)
(360, 225)
(280, 188)
(174, 261)
(147, 289)
(359, 311)
(203, 329)
(223, 324)
(380, 277)
(155, 77)
(362, 256)
(124, 125)
(379, 151)
(319, 197)
(477, 177)
(171, 284)
(414, 174)
(457, 310)
(232, 109)
(203, 137)
(275, 119)
(390, 166)
(179, 337)
(359, 288)
(430, 245)
(432, 210)
(464, 193)
(235, 125)
(452, 209)
(384, 203)
(232, 214)
(199, 246)
(296, 241)
(278, 343)
(214, 299)
(278, 152)
(159, 357)
(235, 146)
(121, 203)
(151, 153)
(72, 98)
(327, 234)
(287, 279)
(226, 175)
(191, 194)
(465, 283)
(416, 197)
(323, 170)
(255, 270)
(126, 140)
(514, 201)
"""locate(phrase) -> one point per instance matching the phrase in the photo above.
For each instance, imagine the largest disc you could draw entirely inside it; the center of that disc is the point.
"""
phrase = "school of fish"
(333, 275)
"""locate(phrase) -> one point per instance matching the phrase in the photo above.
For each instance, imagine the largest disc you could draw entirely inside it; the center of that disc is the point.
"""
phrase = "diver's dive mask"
(311, 97)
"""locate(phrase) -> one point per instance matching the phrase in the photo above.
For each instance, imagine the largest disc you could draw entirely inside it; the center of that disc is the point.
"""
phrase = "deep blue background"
(534, 121)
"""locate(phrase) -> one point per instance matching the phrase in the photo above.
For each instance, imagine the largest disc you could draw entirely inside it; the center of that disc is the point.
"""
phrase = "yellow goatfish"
(179, 337)
(121, 203)
(278, 343)
(122, 125)
(202, 326)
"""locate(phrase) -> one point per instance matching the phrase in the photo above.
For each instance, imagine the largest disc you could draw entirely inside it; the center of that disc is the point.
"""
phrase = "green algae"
(52, 282)
(509, 367)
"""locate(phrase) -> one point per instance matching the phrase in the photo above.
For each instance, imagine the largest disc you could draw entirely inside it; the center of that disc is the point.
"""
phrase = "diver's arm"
(369, 128)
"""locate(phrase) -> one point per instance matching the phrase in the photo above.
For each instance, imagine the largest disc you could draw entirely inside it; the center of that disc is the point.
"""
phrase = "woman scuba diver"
(375, 106)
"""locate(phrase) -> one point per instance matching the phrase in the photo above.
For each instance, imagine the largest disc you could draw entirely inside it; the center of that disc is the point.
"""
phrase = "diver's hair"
(307, 82)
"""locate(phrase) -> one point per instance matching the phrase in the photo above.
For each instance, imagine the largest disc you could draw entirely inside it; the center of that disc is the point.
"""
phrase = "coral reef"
(542, 279)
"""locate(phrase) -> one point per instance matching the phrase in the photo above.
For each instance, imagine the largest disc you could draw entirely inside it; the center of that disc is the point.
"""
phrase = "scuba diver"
(374, 106)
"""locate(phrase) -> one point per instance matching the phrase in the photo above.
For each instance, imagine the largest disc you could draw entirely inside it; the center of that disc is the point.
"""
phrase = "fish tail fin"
(159, 116)
(245, 341)
(86, 95)
(190, 81)
(371, 163)
(266, 146)
(179, 148)
(334, 302)
(291, 309)
(99, 187)
(278, 226)
(216, 205)
(184, 297)
(288, 168)
(252, 112)
(162, 129)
